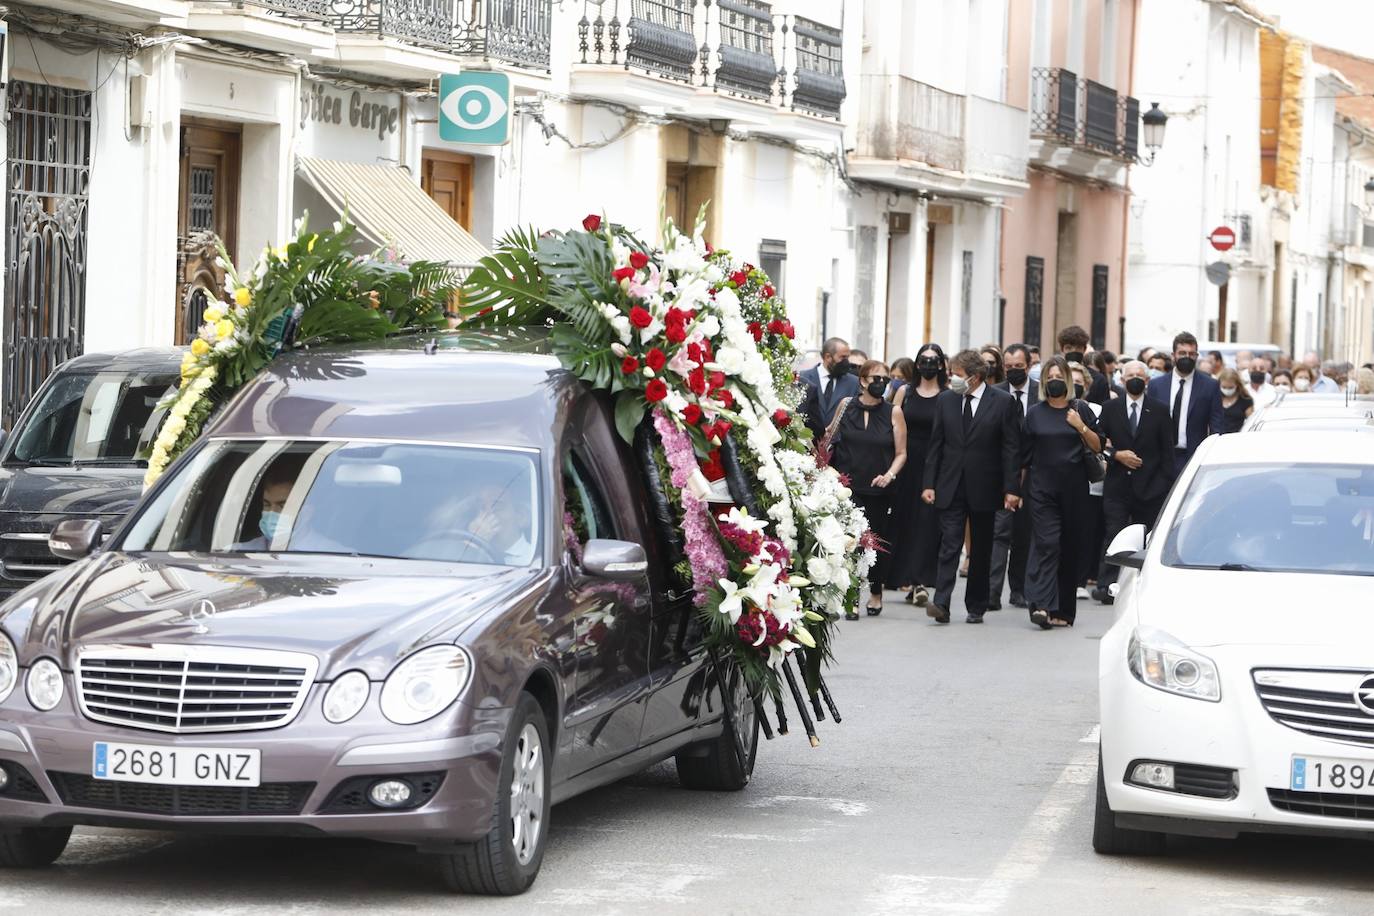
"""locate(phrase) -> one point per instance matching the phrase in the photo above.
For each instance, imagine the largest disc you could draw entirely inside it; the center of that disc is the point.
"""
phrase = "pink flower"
(702, 546)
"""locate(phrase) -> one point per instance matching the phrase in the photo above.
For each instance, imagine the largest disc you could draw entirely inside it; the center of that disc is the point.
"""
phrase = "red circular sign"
(1222, 238)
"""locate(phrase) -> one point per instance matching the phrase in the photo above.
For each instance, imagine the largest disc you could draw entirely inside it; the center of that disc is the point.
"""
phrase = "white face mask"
(1228, 392)
(958, 384)
(1284, 386)
(1301, 384)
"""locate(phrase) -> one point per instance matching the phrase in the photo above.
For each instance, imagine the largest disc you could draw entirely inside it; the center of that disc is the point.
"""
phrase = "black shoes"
(994, 605)
(1102, 596)
(874, 611)
(973, 618)
(1019, 600)
(937, 613)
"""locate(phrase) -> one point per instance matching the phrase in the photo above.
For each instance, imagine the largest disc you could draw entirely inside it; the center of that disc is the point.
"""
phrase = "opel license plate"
(177, 766)
(1332, 774)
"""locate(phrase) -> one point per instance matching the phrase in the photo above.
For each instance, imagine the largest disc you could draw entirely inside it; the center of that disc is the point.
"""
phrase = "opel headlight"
(44, 684)
(425, 684)
(9, 667)
(346, 696)
(1162, 662)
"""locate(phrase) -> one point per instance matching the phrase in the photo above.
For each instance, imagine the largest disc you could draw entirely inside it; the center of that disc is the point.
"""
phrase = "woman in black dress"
(915, 525)
(868, 445)
(1055, 433)
(1236, 403)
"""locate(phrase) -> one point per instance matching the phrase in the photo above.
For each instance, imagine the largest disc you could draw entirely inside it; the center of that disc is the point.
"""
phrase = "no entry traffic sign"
(1223, 238)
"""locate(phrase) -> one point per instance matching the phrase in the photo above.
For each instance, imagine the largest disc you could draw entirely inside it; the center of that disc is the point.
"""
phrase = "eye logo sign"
(474, 107)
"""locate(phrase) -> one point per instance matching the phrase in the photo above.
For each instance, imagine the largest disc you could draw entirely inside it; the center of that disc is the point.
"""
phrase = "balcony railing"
(1084, 113)
(738, 47)
(514, 31)
(312, 10)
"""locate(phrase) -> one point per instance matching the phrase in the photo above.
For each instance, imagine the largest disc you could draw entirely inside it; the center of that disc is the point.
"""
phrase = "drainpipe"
(1125, 203)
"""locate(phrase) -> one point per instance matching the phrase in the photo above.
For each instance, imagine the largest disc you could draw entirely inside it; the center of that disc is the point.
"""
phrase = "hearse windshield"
(93, 418)
(409, 501)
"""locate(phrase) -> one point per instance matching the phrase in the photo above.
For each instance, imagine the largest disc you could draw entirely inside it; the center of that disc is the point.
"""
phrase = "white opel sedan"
(1237, 684)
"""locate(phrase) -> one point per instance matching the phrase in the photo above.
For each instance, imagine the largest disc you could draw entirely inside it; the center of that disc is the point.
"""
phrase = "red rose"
(640, 317)
(675, 333)
(711, 468)
(757, 330)
(694, 353)
(591, 222)
(677, 316)
(706, 351)
(768, 291)
(624, 273)
(655, 359)
(723, 428)
(781, 418)
(655, 391)
(629, 365)
(788, 331)
(717, 380)
(696, 380)
(739, 278)
(726, 399)
(692, 414)
(638, 259)
(776, 326)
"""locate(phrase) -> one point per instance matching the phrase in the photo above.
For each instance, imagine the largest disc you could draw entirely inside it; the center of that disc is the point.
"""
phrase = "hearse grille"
(192, 689)
(82, 791)
(1318, 702)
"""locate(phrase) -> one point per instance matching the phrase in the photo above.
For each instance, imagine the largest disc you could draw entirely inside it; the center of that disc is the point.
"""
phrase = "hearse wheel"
(506, 861)
(716, 765)
(32, 847)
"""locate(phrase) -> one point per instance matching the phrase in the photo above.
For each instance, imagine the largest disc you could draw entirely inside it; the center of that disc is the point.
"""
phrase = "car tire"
(495, 865)
(715, 766)
(1111, 840)
(32, 847)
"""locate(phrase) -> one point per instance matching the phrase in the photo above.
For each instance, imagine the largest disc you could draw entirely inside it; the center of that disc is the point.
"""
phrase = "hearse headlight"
(1161, 661)
(425, 684)
(346, 696)
(9, 667)
(44, 684)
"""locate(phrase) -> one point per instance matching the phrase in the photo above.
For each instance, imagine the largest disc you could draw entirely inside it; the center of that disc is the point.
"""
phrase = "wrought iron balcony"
(514, 31)
(747, 65)
(420, 22)
(820, 69)
(1084, 114)
(312, 10)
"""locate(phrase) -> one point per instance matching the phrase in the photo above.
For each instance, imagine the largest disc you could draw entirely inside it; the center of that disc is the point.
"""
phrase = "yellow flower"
(310, 245)
(189, 370)
(187, 358)
(224, 328)
(280, 252)
(242, 296)
(212, 315)
(199, 347)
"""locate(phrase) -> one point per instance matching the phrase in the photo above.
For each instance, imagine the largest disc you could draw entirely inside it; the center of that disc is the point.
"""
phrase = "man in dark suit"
(1140, 466)
(827, 385)
(1194, 400)
(972, 470)
(1011, 530)
(1073, 344)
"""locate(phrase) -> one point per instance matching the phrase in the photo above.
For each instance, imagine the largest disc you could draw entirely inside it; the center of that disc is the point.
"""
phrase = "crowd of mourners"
(1008, 467)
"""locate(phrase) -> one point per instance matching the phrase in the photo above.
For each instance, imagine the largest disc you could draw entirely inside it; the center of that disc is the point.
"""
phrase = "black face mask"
(1076, 357)
(1257, 377)
(1135, 386)
(1017, 377)
(1185, 365)
(1077, 390)
(877, 387)
(1056, 388)
(840, 368)
(928, 368)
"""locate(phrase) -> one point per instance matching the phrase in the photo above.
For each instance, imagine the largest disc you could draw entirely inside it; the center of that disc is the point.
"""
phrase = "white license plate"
(176, 766)
(1332, 774)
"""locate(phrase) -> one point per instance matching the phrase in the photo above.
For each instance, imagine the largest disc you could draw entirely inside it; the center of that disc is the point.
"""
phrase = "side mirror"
(1128, 547)
(619, 561)
(74, 539)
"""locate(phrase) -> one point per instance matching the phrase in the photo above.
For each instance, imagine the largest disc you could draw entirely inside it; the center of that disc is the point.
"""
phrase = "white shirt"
(1021, 394)
(1175, 381)
(974, 397)
(1264, 395)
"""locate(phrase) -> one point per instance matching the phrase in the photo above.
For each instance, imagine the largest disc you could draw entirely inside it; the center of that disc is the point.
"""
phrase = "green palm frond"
(506, 287)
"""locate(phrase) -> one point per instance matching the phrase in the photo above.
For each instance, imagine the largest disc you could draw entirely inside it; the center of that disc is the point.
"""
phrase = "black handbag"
(1094, 463)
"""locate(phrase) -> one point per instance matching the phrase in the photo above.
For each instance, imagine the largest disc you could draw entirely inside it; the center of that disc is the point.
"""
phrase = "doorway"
(1066, 273)
(447, 178)
(207, 203)
(929, 308)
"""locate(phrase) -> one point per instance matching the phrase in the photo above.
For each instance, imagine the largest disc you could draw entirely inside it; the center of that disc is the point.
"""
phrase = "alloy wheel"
(527, 794)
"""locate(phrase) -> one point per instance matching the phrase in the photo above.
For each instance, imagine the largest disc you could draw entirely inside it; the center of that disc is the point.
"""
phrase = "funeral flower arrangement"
(314, 289)
(696, 346)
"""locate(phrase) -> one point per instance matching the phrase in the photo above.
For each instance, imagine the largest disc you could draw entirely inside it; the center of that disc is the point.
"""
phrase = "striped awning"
(390, 209)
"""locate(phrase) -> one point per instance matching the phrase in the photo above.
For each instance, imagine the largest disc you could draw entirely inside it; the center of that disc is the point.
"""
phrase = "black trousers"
(1059, 520)
(980, 525)
(1010, 549)
(1090, 543)
(877, 509)
(1120, 512)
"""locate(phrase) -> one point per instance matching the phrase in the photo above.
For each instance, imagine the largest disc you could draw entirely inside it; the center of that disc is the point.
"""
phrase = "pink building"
(1064, 241)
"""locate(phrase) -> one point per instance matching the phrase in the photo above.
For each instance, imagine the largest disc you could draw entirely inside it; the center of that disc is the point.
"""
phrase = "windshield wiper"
(109, 462)
(1223, 567)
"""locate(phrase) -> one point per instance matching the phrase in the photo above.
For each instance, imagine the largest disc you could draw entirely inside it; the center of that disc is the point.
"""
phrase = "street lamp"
(1154, 121)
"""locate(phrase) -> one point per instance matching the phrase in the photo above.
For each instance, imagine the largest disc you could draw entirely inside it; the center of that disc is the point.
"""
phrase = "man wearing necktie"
(1140, 462)
(1194, 400)
(973, 469)
(827, 385)
(1011, 532)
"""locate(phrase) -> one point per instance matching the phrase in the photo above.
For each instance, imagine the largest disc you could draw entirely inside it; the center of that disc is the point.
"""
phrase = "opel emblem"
(200, 614)
(1364, 696)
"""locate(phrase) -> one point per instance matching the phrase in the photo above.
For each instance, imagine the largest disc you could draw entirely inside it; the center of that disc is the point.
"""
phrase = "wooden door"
(447, 178)
(930, 285)
(208, 203)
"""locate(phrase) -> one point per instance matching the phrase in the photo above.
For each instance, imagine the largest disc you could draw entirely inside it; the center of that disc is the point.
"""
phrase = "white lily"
(733, 602)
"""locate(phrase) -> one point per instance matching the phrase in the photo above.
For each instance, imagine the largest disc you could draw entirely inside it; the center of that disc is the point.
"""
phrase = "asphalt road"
(960, 781)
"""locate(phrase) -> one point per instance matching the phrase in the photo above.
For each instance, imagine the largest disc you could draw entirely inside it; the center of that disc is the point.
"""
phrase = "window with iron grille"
(1035, 301)
(1099, 322)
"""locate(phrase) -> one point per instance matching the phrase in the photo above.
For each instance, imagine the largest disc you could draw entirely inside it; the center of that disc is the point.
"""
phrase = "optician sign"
(474, 107)
(351, 125)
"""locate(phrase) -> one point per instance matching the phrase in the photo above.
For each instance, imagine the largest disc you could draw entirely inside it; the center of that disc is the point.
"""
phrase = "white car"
(1237, 684)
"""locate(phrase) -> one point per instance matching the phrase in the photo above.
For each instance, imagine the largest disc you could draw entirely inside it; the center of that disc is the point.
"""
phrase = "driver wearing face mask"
(272, 520)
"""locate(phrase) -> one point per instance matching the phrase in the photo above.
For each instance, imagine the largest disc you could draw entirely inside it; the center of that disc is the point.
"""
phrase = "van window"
(93, 418)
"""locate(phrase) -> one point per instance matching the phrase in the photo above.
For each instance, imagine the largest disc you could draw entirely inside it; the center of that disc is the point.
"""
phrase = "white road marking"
(1093, 735)
(635, 882)
(1281, 905)
(844, 806)
(763, 837)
